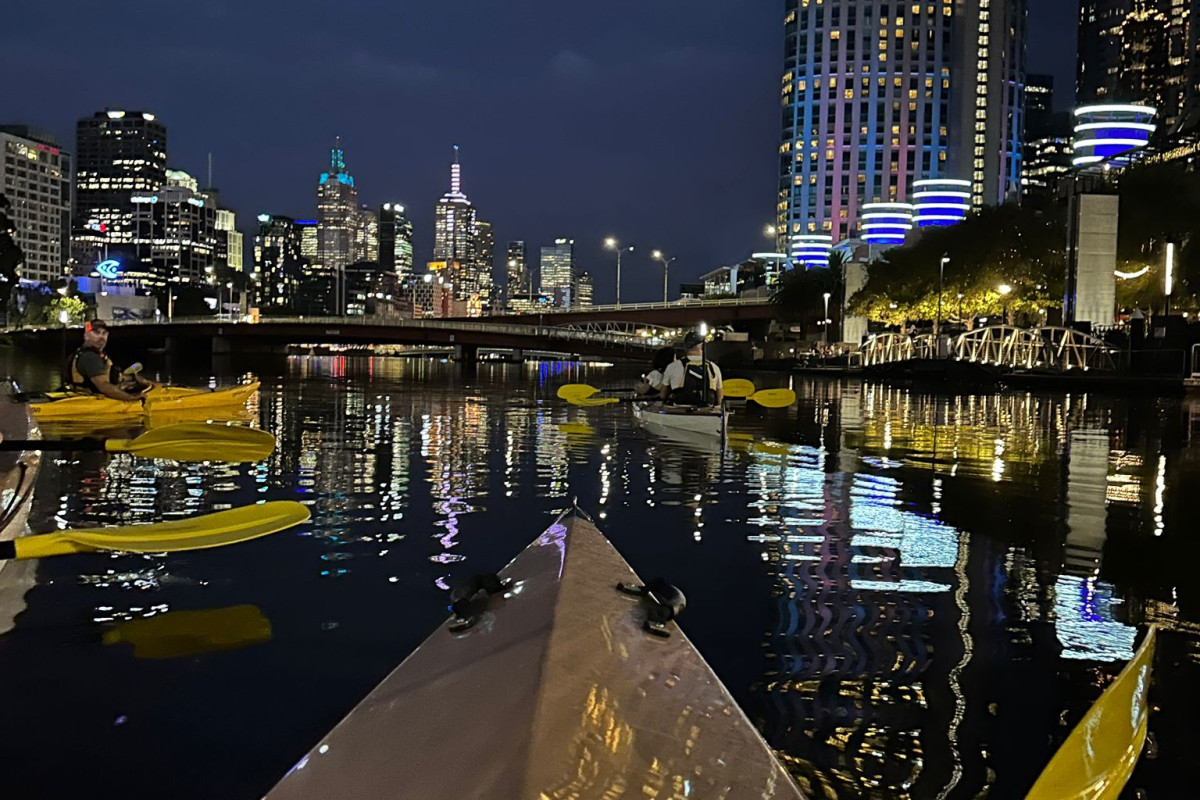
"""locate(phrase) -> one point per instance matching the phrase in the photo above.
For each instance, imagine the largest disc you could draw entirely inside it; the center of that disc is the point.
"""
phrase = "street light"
(612, 244)
(1005, 291)
(937, 328)
(657, 255)
(1169, 277)
(827, 296)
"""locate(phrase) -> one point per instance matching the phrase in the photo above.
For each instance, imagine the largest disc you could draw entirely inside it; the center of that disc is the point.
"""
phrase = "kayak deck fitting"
(557, 689)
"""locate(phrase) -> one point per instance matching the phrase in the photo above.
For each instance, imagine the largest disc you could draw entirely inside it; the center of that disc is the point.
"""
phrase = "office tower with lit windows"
(877, 95)
(1048, 148)
(485, 258)
(395, 241)
(585, 290)
(1141, 52)
(35, 177)
(454, 223)
(339, 221)
(558, 271)
(229, 241)
(277, 262)
(118, 154)
(519, 281)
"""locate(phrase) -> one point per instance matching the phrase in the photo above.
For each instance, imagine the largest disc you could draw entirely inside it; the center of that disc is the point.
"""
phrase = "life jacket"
(74, 379)
(696, 391)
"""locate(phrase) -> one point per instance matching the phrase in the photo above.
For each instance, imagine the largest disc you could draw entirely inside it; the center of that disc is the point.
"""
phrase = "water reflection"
(914, 595)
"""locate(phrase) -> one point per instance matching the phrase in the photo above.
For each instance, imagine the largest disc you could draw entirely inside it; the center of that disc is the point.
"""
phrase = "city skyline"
(644, 99)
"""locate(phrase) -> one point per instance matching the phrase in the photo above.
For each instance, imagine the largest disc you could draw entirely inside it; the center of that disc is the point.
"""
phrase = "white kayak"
(558, 690)
(705, 420)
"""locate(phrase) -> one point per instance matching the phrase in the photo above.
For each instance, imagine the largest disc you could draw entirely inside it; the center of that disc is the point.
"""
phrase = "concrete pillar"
(466, 353)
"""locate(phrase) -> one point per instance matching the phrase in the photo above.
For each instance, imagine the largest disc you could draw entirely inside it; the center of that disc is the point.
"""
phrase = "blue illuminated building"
(1111, 133)
(886, 223)
(877, 95)
(941, 202)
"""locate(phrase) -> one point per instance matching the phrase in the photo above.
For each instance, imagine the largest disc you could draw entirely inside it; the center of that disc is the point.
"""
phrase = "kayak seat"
(664, 602)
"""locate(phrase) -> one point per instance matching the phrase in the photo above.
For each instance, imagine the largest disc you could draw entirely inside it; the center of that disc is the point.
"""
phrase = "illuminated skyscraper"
(277, 261)
(119, 154)
(558, 270)
(877, 95)
(454, 235)
(35, 175)
(338, 217)
(584, 290)
(485, 257)
(395, 241)
(1144, 52)
(520, 282)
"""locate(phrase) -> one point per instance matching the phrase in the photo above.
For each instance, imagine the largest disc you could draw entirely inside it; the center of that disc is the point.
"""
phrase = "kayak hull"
(160, 401)
(704, 421)
(556, 691)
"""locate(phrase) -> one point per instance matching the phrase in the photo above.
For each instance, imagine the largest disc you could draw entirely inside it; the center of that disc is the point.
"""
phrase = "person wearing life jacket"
(89, 369)
(651, 385)
(685, 380)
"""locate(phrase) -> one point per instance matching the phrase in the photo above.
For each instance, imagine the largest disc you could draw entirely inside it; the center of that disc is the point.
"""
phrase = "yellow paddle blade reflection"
(178, 634)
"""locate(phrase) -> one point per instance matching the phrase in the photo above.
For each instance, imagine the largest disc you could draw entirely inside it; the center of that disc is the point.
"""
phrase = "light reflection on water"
(913, 595)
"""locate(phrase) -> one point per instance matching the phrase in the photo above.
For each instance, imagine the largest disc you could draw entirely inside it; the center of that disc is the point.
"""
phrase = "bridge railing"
(726, 302)
(551, 332)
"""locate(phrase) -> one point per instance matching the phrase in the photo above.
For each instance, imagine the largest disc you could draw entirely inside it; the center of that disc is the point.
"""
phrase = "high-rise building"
(584, 290)
(229, 241)
(35, 177)
(174, 237)
(1039, 106)
(118, 154)
(338, 219)
(454, 235)
(366, 236)
(485, 259)
(877, 95)
(558, 270)
(277, 262)
(1048, 150)
(519, 281)
(1143, 52)
(1098, 71)
(395, 241)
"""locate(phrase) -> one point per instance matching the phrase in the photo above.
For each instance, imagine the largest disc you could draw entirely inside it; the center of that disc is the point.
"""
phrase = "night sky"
(656, 121)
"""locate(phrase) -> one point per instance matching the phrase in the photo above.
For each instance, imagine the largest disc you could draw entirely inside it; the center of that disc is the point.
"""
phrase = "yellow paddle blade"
(196, 533)
(774, 398)
(177, 634)
(1096, 760)
(576, 391)
(738, 388)
(198, 441)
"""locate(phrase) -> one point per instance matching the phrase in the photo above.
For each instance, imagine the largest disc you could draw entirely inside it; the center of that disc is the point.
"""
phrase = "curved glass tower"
(879, 94)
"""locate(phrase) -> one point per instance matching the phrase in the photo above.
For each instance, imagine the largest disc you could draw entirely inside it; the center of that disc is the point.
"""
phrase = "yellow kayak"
(1096, 760)
(161, 400)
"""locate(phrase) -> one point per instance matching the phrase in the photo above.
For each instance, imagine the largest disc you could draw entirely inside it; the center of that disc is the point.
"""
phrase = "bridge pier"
(466, 353)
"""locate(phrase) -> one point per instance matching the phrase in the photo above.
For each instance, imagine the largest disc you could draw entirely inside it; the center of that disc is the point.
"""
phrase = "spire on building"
(455, 174)
(337, 157)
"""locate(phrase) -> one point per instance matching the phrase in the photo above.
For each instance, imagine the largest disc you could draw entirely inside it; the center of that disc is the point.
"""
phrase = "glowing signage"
(110, 269)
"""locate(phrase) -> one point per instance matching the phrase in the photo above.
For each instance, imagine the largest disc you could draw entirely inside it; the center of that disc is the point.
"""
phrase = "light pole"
(1005, 291)
(937, 327)
(657, 255)
(960, 316)
(827, 296)
(1169, 277)
(612, 244)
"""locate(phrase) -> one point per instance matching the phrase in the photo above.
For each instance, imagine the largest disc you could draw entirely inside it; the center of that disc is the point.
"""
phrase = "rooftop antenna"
(456, 175)
(210, 183)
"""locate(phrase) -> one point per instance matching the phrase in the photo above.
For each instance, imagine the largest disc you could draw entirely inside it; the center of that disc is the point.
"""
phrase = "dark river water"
(913, 596)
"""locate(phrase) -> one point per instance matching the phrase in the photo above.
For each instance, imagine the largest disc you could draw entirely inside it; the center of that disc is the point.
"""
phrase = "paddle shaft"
(9, 445)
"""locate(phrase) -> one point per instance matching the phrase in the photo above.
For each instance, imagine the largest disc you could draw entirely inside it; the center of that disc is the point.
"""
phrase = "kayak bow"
(557, 690)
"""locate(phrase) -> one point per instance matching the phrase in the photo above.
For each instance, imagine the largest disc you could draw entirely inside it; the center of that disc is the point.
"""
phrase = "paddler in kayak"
(89, 369)
(652, 383)
(685, 379)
